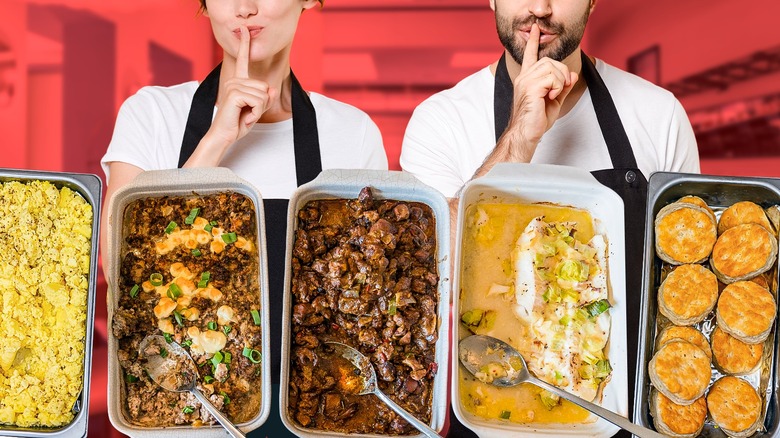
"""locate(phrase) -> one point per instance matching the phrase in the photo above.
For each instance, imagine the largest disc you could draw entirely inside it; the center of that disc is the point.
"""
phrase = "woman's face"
(271, 24)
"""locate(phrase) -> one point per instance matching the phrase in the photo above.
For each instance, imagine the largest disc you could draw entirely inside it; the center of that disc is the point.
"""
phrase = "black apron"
(624, 178)
(308, 164)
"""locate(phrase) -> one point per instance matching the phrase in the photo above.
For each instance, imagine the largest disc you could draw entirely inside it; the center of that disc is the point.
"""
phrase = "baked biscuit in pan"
(746, 311)
(688, 294)
(744, 212)
(690, 334)
(695, 200)
(733, 356)
(684, 233)
(742, 252)
(734, 406)
(677, 420)
(680, 371)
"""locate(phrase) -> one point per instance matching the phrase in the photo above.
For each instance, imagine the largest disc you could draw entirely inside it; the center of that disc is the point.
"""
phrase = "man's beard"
(568, 38)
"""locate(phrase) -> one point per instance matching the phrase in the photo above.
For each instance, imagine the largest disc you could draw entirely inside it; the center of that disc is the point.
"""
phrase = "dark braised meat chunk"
(364, 274)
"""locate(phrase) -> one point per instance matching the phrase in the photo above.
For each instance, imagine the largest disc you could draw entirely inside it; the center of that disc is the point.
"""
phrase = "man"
(544, 101)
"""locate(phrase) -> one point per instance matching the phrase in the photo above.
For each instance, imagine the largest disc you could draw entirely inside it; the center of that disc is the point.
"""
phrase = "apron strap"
(503, 96)
(200, 115)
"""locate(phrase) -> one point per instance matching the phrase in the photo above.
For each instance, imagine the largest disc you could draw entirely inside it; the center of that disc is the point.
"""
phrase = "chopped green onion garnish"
(186, 343)
(226, 329)
(163, 353)
(188, 409)
(229, 237)
(196, 252)
(171, 226)
(134, 291)
(208, 379)
(505, 414)
(597, 307)
(156, 279)
(204, 279)
(212, 325)
(191, 218)
(225, 397)
(227, 357)
(391, 307)
(167, 337)
(129, 378)
(217, 358)
(174, 291)
(208, 227)
(252, 354)
(213, 223)
(255, 316)
(177, 316)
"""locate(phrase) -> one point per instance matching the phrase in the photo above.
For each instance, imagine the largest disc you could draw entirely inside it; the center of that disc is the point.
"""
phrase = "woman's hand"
(241, 103)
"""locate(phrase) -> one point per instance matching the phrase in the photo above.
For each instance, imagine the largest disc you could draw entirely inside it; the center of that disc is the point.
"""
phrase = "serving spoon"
(176, 371)
(478, 351)
(368, 381)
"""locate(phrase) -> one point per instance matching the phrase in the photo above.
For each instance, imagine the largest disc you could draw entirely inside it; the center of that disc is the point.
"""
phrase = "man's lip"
(543, 37)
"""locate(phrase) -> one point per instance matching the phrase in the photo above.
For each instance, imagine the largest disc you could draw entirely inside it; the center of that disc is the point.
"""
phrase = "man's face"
(561, 23)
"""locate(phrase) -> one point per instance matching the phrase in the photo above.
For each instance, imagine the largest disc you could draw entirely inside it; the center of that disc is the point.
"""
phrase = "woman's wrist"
(209, 152)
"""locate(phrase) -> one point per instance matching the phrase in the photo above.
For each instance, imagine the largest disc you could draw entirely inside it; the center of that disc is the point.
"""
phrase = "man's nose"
(540, 8)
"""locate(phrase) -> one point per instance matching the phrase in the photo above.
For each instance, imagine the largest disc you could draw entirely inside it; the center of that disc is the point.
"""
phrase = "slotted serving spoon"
(370, 387)
(177, 372)
(478, 351)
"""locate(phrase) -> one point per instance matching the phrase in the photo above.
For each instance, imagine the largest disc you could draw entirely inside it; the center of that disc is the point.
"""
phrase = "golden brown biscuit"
(680, 371)
(677, 420)
(746, 311)
(744, 212)
(684, 233)
(743, 252)
(689, 334)
(695, 200)
(735, 406)
(733, 356)
(688, 294)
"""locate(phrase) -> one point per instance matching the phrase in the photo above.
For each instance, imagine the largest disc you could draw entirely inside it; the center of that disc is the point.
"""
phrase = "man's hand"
(244, 101)
(540, 89)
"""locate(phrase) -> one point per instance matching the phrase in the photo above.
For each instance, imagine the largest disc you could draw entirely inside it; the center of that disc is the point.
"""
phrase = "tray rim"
(346, 183)
(181, 182)
(90, 187)
(658, 183)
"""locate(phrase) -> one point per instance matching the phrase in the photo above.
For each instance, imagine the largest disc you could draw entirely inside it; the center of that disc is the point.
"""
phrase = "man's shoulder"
(468, 95)
(627, 86)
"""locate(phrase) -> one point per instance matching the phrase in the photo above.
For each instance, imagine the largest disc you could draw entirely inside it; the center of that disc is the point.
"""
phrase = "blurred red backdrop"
(67, 65)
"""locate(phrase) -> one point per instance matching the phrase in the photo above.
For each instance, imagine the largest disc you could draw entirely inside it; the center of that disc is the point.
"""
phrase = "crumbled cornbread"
(45, 241)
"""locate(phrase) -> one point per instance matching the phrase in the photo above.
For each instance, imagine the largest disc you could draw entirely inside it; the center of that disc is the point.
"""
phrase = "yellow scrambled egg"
(45, 241)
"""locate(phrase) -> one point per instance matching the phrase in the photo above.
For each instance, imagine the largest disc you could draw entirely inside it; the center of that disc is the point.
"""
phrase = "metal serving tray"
(179, 182)
(718, 192)
(567, 186)
(333, 184)
(90, 188)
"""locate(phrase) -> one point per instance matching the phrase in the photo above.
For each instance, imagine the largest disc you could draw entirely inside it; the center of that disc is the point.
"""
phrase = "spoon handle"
(608, 415)
(227, 424)
(422, 427)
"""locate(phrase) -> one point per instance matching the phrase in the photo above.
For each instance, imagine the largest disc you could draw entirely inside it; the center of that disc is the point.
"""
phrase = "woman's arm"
(119, 175)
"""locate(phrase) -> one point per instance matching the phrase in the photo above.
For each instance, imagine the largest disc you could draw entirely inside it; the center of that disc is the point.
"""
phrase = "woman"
(251, 115)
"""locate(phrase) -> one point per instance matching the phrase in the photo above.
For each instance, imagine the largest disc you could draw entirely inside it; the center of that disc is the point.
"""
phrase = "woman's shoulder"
(331, 109)
(166, 98)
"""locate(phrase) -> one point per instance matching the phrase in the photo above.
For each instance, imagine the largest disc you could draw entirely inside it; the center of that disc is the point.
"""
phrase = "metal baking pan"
(719, 193)
(90, 188)
(346, 184)
(179, 182)
(570, 187)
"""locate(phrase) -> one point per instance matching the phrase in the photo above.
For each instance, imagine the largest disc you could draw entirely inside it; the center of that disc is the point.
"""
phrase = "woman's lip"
(253, 31)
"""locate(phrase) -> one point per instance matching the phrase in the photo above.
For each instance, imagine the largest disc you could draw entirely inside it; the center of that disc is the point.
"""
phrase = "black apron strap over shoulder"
(200, 115)
(503, 95)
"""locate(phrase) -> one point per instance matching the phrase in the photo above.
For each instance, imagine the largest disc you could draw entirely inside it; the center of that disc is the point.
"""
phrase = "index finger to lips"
(242, 60)
(531, 53)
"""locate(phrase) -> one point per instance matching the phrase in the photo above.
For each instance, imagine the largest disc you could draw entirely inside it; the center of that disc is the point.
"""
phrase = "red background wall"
(67, 65)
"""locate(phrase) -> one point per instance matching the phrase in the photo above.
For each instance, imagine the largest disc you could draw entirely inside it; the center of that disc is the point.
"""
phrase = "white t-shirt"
(451, 133)
(150, 127)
